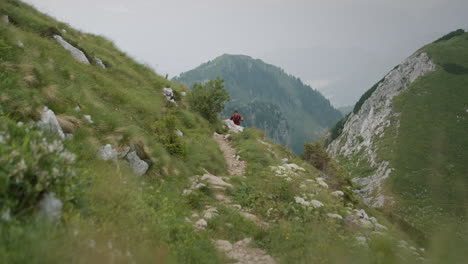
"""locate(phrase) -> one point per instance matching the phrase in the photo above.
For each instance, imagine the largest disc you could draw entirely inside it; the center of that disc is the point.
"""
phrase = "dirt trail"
(239, 251)
(236, 167)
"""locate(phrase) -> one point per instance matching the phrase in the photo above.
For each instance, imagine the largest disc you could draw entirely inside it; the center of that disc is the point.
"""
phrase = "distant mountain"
(291, 112)
(406, 140)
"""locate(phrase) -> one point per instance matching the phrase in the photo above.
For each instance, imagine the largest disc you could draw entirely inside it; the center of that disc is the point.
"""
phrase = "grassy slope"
(124, 101)
(429, 153)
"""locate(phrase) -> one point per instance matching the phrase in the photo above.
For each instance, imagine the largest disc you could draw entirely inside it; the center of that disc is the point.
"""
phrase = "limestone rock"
(89, 119)
(138, 166)
(50, 123)
(223, 245)
(179, 133)
(201, 224)
(100, 63)
(169, 94)
(233, 127)
(50, 207)
(216, 181)
(75, 52)
(367, 125)
(107, 153)
(20, 44)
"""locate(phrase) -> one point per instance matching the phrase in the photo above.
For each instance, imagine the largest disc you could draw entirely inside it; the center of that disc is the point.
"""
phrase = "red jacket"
(236, 118)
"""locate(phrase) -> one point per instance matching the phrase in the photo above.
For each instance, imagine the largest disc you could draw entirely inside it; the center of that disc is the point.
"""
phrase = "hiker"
(237, 118)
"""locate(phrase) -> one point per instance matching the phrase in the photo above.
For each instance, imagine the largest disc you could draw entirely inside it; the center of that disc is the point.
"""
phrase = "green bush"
(316, 155)
(165, 130)
(208, 99)
(32, 164)
(450, 35)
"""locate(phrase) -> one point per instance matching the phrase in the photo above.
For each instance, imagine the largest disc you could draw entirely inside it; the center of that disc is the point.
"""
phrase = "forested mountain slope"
(291, 112)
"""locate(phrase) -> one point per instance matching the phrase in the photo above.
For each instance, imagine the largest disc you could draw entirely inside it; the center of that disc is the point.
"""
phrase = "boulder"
(50, 123)
(75, 52)
(20, 44)
(50, 207)
(316, 204)
(233, 127)
(138, 166)
(107, 153)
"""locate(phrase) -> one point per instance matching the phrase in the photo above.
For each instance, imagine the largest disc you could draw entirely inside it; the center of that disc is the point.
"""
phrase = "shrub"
(31, 165)
(208, 99)
(450, 35)
(165, 130)
(316, 155)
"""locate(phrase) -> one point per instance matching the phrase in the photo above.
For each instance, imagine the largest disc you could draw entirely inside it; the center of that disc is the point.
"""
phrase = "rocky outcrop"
(50, 123)
(375, 115)
(75, 52)
(233, 127)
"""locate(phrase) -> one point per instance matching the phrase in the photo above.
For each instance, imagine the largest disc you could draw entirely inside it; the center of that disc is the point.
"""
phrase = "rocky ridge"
(369, 123)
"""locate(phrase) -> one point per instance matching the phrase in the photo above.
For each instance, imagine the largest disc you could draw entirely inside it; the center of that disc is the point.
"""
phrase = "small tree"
(316, 155)
(208, 99)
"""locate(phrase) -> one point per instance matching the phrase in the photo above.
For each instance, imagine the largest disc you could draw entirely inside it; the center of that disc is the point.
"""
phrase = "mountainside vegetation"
(426, 147)
(291, 112)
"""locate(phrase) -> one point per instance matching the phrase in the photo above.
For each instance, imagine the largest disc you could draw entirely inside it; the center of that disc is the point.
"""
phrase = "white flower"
(316, 204)
(301, 201)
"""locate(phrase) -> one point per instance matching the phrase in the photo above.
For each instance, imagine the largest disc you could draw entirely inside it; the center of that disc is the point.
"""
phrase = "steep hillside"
(289, 111)
(405, 142)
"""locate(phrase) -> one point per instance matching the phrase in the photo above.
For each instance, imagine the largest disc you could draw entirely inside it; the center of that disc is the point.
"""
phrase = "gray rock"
(138, 166)
(183, 93)
(5, 19)
(100, 63)
(179, 133)
(50, 207)
(20, 44)
(122, 154)
(169, 94)
(75, 52)
(50, 123)
(107, 153)
(201, 224)
(89, 119)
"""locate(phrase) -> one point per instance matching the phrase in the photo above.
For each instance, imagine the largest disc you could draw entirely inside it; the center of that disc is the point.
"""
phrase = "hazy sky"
(341, 47)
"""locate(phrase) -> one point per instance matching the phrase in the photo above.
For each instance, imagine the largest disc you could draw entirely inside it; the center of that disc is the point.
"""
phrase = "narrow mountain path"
(236, 167)
(239, 251)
